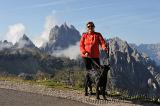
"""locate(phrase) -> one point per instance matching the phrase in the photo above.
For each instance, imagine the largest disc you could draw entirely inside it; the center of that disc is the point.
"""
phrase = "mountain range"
(25, 57)
(130, 69)
(152, 50)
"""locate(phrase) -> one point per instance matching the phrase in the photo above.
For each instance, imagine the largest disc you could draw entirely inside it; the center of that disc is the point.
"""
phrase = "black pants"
(90, 64)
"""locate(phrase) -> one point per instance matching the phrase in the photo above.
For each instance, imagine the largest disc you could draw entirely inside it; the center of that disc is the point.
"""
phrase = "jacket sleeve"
(102, 42)
(82, 45)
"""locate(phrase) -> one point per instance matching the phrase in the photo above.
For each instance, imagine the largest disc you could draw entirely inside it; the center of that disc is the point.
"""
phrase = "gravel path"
(43, 94)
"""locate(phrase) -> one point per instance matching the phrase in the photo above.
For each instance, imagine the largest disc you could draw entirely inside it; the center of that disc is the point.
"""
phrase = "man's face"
(90, 28)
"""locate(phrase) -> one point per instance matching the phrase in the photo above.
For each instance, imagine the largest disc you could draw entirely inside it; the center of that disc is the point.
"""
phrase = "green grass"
(48, 83)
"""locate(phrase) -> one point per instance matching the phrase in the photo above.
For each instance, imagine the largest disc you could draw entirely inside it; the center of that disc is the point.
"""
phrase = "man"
(89, 48)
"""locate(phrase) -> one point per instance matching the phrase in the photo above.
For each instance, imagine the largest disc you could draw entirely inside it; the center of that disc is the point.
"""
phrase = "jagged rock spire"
(61, 37)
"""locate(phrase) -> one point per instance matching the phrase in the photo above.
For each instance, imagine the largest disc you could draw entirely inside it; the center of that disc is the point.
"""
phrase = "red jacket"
(89, 43)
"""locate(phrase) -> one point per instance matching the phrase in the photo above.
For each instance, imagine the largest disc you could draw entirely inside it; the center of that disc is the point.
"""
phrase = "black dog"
(99, 77)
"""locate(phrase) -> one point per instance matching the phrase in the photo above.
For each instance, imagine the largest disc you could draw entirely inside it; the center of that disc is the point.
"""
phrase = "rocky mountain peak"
(23, 42)
(117, 44)
(53, 35)
(24, 37)
(130, 69)
(5, 45)
(64, 26)
(61, 37)
(152, 50)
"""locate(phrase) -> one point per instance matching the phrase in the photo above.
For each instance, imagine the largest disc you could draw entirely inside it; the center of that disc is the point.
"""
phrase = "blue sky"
(136, 21)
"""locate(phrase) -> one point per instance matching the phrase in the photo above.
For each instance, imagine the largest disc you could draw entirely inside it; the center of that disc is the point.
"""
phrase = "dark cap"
(90, 23)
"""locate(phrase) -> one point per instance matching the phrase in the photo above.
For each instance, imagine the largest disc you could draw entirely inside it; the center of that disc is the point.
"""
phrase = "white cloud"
(72, 52)
(15, 32)
(44, 36)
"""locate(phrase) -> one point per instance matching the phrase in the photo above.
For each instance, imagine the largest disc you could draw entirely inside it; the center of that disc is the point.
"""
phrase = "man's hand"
(86, 54)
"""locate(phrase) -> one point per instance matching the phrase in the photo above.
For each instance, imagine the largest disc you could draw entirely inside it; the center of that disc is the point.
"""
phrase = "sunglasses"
(90, 26)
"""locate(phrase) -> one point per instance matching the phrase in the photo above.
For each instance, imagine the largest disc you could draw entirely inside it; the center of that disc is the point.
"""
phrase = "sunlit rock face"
(130, 70)
(60, 38)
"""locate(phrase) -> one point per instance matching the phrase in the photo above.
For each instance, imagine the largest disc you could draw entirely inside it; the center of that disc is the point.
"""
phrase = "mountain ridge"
(130, 69)
(61, 37)
(152, 50)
